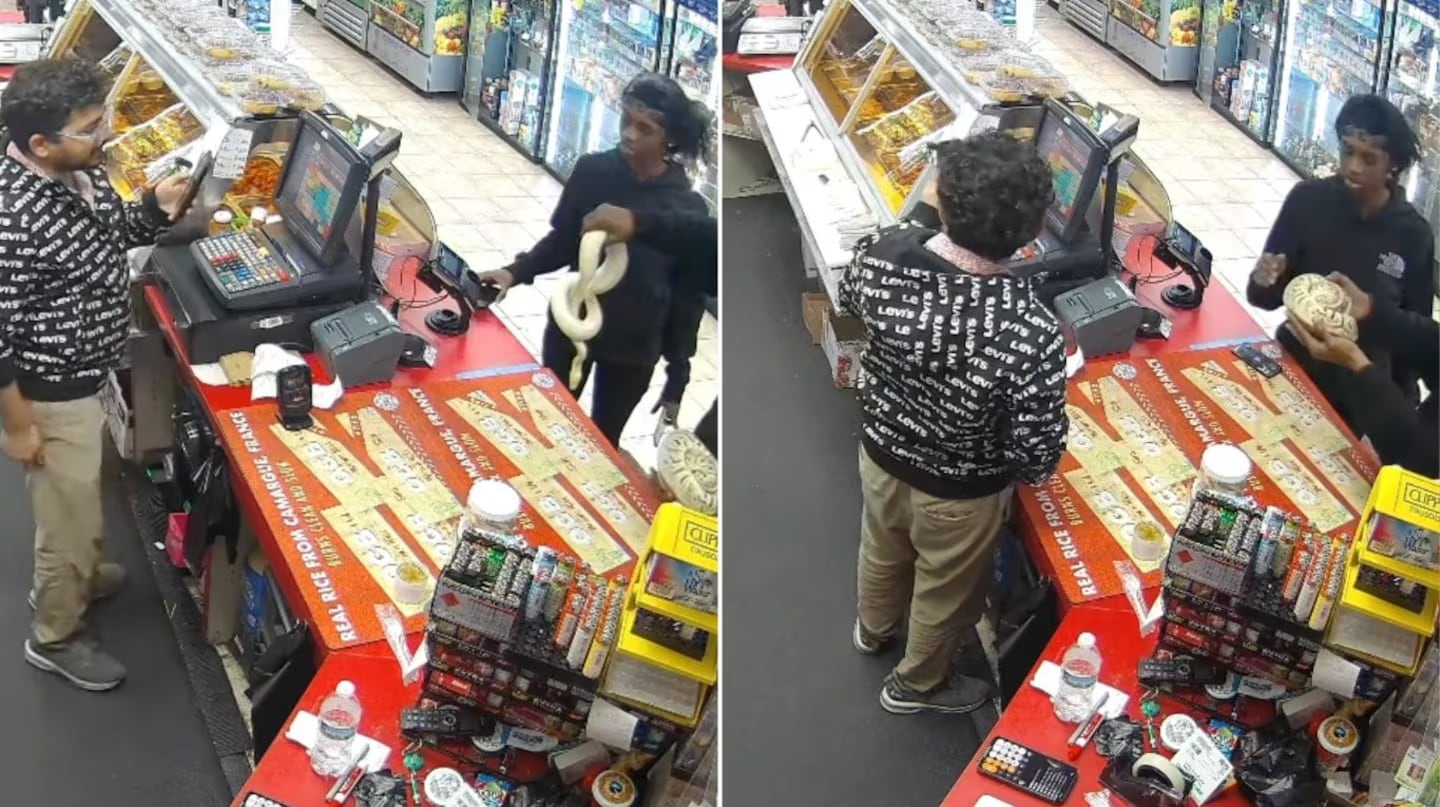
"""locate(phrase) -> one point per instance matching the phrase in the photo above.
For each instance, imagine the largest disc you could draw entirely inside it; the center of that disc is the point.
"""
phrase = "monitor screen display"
(314, 187)
(1069, 155)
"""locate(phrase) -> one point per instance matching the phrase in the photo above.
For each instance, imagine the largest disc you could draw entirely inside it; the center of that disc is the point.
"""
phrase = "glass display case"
(1238, 49)
(188, 80)
(689, 42)
(936, 71)
(1159, 36)
(421, 40)
(1332, 51)
(507, 68)
(601, 45)
(1413, 85)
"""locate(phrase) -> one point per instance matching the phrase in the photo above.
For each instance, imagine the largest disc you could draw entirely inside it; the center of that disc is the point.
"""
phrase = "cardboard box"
(814, 306)
(843, 342)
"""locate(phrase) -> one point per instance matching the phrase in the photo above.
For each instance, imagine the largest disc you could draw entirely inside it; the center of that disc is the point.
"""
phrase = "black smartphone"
(1264, 365)
(196, 179)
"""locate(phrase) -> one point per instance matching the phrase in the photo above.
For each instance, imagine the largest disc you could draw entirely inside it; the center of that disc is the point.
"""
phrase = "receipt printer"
(360, 345)
(1100, 317)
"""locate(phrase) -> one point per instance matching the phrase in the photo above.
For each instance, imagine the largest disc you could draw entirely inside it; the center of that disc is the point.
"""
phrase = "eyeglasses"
(99, 135)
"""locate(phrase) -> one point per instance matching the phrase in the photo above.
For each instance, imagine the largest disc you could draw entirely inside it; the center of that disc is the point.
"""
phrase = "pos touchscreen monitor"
(320, 189)
(1077, 158)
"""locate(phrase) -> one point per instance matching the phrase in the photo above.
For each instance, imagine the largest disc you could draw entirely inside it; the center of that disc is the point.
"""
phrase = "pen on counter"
(1087, 728)
(340, 780)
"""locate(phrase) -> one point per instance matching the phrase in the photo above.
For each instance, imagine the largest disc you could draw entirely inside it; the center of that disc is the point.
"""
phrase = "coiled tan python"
(688, 471)
(575, 305)
(1322, 305)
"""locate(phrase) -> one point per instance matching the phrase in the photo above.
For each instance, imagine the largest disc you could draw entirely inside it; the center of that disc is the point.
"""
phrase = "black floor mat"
(803, 723)
(142, 744)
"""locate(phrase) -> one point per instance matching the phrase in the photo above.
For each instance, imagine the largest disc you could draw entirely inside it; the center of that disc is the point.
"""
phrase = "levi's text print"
(64, 281)
(963, 380)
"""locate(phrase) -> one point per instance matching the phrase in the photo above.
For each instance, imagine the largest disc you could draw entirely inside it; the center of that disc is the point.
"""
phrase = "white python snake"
(688, 471)
(575, 305)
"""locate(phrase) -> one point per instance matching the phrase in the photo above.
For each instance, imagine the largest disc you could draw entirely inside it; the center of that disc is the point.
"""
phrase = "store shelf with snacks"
(1160, 37)
(421, 40)
(508, 62)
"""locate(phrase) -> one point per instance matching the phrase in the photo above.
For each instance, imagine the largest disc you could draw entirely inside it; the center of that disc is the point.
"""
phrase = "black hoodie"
(655, 307)
(1391, 257)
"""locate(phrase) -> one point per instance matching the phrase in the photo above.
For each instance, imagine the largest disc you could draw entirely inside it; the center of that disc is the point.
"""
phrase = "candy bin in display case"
(422, 40)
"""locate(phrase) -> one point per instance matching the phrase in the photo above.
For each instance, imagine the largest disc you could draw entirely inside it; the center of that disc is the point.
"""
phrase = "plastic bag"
(1277, 768)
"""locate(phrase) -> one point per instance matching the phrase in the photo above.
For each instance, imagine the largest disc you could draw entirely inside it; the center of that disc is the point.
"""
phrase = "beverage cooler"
(508, 68)
(1332, 51)
(1160, 37)
(421, 40)
(1411, 84)
(347, 19)
(1239, 46)
(689, 41)
(600, 46)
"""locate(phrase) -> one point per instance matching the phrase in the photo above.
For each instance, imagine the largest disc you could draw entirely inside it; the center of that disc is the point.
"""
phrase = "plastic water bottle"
(335, 739)
(1079, 673)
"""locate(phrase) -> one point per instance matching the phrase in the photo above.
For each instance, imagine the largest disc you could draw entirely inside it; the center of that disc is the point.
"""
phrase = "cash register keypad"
(242, 261)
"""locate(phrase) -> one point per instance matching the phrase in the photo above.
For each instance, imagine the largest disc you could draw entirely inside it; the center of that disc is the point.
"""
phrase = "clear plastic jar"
(1224, 469)
(493, 511)
(222, 222)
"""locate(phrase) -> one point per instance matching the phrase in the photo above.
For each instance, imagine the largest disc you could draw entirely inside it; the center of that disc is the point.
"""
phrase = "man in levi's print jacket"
(962, 387)
(64, 315)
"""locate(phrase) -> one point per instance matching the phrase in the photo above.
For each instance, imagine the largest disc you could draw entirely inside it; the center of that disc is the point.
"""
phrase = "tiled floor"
(1222, 186)
(488, 200)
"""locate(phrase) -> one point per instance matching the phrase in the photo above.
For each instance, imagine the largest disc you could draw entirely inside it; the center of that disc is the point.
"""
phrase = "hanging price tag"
(233, 154)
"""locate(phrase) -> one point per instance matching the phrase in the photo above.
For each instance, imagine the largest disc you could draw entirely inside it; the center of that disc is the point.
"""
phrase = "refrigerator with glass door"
(1411, 84)
(1332, 51)
(689, 43)
(600, 46)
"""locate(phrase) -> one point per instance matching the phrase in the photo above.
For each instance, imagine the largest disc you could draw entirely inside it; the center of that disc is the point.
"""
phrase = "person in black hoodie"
(1401, 434)
(677, 232)
(962, 389)
(656, 309)
(1359, 224)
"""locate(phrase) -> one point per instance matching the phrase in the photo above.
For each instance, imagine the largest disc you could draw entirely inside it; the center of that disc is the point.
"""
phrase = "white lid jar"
(493, 509)
(1224, 468)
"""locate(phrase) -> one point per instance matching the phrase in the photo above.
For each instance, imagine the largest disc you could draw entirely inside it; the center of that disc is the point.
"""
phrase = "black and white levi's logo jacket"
(963, 380)
(64, 279)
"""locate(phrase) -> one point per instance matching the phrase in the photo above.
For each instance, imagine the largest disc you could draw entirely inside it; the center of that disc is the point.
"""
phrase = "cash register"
(301, 258)
(231, 292)
(1076, 245)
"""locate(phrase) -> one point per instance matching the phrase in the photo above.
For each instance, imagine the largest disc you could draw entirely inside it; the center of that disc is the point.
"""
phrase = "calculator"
(1030, 771)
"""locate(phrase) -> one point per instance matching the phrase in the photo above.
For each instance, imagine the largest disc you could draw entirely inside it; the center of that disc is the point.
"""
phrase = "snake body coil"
(575, 305)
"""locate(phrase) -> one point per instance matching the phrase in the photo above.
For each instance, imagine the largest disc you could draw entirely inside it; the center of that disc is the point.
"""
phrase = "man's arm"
(1396, 430)
(559, 247)
(21, 439)
(1412, 337)
(1417, 284)
(1283, 244)
(1038, 422)
(144, 220)
(682, 331)
(681, 231)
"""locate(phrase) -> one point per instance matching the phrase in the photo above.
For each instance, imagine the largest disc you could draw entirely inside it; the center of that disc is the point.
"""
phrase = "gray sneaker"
(866, 642)
(80, 660)
(961, 695)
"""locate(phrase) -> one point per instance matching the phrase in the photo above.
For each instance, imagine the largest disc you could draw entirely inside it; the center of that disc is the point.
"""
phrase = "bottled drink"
(1079, 672)
(335, 738)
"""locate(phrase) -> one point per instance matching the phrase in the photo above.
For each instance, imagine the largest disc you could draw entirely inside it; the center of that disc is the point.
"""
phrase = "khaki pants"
(931, 554)
(66, 500)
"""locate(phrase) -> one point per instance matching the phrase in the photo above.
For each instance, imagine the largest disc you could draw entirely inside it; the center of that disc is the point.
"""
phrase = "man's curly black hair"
(42, 96)
(993, 192)
(1373, 116)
